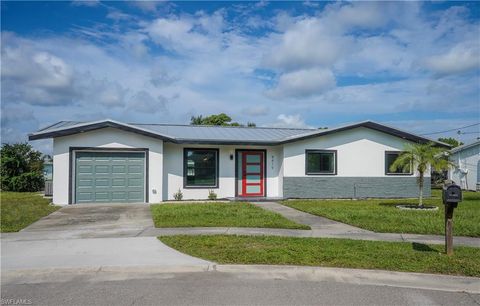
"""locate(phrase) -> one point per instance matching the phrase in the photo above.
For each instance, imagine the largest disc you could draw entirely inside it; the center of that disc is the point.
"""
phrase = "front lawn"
(382, 216)
(234, 214)
(20, 209)
(343, 253)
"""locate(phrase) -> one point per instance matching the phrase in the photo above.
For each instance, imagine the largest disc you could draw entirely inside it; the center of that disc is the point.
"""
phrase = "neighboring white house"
(110, 161)
(466, 172)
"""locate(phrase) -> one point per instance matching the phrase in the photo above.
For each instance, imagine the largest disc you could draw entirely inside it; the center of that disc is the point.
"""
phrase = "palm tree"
(421, 156)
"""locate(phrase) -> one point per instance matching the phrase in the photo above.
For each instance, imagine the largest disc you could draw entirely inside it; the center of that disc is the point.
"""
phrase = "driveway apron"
(90, 235)
(94, 221)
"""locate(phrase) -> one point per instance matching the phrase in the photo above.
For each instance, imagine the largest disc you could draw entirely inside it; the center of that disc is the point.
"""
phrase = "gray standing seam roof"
(214, 134)
(464, 147)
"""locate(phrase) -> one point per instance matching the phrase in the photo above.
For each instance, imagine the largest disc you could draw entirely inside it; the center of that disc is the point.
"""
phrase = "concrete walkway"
(317, 223)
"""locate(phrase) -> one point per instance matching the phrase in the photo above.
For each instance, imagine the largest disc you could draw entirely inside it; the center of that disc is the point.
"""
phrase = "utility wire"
(463, 127)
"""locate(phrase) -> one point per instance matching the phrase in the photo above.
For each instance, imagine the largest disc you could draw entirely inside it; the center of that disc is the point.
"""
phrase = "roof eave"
(464, 147)
(94, 126)
(371, 125)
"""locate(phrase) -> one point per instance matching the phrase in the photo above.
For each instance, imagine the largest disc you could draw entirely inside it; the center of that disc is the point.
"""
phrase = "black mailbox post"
(451, 196)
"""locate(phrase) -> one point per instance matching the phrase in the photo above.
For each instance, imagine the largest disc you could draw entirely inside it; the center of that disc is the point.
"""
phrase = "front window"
(201, 167)
(390, 157)
(321, 162)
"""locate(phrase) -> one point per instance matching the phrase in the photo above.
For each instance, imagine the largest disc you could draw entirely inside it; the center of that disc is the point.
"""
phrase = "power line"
(463, 127)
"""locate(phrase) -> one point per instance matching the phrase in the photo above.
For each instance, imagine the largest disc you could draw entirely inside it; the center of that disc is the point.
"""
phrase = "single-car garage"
(107, 177)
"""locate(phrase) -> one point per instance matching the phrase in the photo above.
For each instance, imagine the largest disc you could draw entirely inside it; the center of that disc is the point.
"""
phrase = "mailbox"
(452, 194)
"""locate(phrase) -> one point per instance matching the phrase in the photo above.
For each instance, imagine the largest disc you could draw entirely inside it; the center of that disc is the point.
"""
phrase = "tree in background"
(220, 119)
(21, 168)
(439, 177)
(451, 141)
(421, 156)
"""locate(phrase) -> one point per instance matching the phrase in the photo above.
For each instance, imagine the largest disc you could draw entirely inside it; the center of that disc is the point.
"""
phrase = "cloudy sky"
(300, 64)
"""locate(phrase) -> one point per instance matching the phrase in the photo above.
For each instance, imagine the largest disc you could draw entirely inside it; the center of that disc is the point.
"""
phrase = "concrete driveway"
(90, 236)
(91, 221)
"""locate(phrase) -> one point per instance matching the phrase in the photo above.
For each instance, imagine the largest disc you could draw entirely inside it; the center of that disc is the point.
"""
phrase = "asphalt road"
(222, 289)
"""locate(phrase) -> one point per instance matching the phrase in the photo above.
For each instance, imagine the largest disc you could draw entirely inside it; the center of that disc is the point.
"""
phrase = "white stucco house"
(466, 172)
(111, 161)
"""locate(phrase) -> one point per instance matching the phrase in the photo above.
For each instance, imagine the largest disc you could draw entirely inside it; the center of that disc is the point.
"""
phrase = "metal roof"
(214, 134)
(464, 147)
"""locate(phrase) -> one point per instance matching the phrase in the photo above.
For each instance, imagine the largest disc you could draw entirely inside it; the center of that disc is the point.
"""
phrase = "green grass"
(234, 214)
(382, 215)
(20, 209)
(395, 256)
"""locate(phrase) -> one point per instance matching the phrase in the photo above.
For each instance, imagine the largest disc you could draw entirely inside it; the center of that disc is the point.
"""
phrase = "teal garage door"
(109, 177)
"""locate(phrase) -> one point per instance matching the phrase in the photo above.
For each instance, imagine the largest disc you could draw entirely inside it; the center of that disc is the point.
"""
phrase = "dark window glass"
(390, 158)
(320, 162)
(201, 167)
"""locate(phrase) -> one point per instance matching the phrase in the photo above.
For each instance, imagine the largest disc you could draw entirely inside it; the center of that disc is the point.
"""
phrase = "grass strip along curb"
(327, 252)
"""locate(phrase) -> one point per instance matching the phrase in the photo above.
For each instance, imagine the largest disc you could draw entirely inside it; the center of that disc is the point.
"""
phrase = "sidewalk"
(314, 233)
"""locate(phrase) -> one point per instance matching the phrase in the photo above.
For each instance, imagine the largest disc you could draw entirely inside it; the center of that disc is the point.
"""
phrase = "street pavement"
(219, 288)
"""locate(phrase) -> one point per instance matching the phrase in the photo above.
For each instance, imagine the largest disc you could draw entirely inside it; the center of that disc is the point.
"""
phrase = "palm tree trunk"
(420, 185)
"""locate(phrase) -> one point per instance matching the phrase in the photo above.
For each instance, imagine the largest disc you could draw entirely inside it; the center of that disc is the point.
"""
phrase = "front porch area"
(255, 199)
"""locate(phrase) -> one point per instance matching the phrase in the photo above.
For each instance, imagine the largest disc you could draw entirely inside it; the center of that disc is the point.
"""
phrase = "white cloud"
(309, 42)
(461, 58)
(359, 15)
(135, 42)
(290, 121)
(324, 39)
(427, 126)
(147, 5)
(14, 113)
(303, 83)
(143, 102)
(107, 93)
(34, 76)
(89, 3)
(177, 35)
(255, 111)
(410, 95)
(118, 15)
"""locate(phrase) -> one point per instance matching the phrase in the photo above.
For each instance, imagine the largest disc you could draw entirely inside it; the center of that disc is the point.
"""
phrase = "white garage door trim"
(72, 159)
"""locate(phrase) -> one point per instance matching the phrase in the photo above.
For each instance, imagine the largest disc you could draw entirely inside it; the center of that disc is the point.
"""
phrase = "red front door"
(252, 174)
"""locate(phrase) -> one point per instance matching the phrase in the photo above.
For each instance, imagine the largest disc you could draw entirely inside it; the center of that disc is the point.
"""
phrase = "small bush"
(27, 182)
(212, 195)
(21, 168)
(178, 196)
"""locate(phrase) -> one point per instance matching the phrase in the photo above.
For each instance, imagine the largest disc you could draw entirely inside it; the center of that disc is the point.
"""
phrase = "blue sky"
(414, 65)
